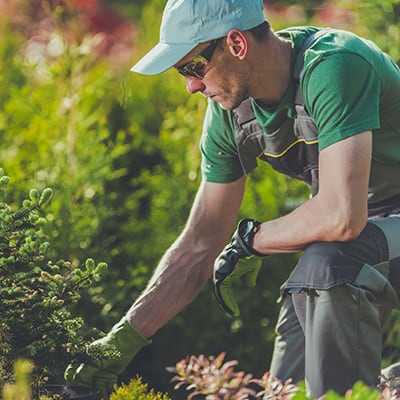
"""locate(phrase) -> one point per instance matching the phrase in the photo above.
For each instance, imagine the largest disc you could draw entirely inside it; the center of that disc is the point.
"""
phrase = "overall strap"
(299, 63)
(308, 42)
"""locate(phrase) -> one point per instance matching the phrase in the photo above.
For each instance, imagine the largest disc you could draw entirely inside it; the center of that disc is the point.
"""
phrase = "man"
(327, 111)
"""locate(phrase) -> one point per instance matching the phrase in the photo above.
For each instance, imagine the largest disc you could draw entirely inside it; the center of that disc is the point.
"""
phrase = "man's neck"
(271, 71)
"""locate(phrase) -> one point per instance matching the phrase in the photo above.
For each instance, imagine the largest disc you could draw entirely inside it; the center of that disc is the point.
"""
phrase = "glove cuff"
(102, 373)
(247, 228)
(135, 337)
(123, 332)
(126, 340)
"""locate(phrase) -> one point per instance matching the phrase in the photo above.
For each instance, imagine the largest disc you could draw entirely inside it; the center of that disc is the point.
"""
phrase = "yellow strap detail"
(289, 147)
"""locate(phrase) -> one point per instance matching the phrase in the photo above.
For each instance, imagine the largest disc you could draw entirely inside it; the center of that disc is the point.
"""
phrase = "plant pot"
(71, 392)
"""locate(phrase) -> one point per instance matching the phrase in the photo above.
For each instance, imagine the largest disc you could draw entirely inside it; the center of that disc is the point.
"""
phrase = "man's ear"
(237, 43)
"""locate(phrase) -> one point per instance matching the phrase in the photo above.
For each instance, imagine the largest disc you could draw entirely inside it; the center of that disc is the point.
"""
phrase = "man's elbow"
(347, 228)
(352, 232)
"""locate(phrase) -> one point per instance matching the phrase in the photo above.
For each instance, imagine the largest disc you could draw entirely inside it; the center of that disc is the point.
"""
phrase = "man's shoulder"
(218, 146)
(332, 41)
(297, 34)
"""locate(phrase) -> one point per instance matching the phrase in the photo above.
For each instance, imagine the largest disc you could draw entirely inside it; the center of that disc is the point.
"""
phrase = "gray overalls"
(338, 296)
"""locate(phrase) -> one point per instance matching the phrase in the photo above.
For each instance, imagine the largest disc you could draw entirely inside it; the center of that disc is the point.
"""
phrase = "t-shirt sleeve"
(342, 95)
(220, 160)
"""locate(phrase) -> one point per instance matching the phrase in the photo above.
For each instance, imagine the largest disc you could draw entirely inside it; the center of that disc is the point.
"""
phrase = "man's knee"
(328, 264)
(322, 266)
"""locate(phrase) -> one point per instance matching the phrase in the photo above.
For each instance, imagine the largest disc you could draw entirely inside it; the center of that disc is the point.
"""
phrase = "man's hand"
(228, 269)
(102, 374)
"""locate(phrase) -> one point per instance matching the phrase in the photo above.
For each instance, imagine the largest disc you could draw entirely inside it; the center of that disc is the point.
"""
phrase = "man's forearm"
(178, 279)
(187, 265)
(314, 221)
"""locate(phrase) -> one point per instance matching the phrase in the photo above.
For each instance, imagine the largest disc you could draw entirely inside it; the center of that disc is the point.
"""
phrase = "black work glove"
(227, 268)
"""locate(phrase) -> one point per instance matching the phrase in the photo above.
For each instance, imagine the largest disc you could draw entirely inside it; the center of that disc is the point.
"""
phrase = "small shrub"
(136, 390)
(212, 378)
(36, 293)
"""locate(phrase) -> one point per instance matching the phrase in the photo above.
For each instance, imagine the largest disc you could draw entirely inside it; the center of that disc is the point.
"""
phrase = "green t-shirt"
(349, 86)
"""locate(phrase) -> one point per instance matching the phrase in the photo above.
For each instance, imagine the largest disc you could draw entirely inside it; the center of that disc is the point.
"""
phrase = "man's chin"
(229, 106)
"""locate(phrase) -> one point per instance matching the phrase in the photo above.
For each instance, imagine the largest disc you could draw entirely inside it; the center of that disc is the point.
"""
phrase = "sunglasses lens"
(195, 68)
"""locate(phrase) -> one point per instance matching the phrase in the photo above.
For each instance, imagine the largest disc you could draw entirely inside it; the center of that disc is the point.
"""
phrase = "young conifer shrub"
(36, 294)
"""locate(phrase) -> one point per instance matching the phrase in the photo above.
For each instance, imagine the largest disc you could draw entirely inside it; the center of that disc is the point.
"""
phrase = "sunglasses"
(197, 67)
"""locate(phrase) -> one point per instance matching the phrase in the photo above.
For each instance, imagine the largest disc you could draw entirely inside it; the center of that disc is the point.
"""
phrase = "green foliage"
(378, 21)
(121, 152)
(361, 392)
(136, 390)
(54, 127)
(37, 294)
(132, 9)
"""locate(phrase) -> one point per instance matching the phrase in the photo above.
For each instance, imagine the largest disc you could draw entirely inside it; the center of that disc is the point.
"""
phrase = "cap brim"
(161, 57)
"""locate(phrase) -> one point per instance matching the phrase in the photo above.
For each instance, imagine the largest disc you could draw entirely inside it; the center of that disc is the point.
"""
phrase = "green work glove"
(102, 374)
(233, 264)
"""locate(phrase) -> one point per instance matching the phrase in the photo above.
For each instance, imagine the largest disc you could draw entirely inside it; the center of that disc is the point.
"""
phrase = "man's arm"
(187, 265)
(179, 277)
(340, 209)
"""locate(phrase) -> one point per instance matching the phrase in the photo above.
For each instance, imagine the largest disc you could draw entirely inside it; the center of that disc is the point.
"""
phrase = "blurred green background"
(121, 154)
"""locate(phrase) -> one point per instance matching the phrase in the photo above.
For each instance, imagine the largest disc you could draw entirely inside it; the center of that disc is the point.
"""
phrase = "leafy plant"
(35, 319)
(212, 379)
(273, 388)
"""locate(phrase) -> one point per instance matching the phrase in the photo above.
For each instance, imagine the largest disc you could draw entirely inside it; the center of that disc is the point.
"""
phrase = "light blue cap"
(187, 23)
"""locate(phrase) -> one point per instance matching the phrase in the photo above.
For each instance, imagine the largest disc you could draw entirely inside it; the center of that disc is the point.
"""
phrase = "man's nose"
(194, 85)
